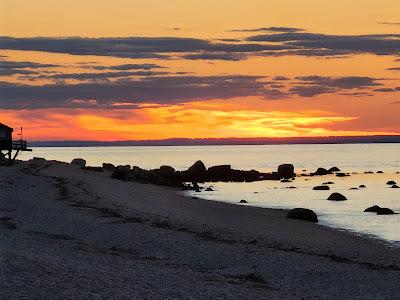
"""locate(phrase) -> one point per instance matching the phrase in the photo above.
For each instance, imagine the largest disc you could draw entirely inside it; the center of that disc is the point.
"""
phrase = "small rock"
(285, 180)
(329, 182)
(379, 172)
(321, 188)
(337, 197)
(362, 186)
(286, 171)
(385, 211)
(95, 169)
(79, 162)
(342, 175)
(108, 167)
(374, 209)
(302, 214)
(334, 169)
(121, 172)
(209, 189)
(395, 186)
(391, 182)
(353, 188)
(243, 201)
(321, 172)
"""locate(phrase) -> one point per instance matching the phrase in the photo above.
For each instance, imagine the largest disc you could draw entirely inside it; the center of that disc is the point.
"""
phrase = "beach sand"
(70, 233)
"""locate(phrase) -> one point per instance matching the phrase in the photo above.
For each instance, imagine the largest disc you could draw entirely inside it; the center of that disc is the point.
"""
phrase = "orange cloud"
(195, 120)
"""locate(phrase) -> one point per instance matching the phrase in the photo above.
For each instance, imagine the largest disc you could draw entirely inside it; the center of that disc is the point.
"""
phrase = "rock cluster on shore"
(168, 176)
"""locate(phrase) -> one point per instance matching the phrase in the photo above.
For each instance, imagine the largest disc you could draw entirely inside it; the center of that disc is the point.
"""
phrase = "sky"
(156, 69)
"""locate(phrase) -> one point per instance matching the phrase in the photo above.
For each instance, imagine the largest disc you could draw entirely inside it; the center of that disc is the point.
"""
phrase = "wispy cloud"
(169, 89)
(9, 68)
(390, 23)
(275, 41)
(271, 29)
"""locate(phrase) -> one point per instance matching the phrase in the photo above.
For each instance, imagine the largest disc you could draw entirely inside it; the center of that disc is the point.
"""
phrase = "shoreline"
(208, 248)
(222, 206)
(322, 224)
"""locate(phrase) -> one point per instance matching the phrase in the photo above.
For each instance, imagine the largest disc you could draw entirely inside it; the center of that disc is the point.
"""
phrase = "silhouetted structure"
(7, 146)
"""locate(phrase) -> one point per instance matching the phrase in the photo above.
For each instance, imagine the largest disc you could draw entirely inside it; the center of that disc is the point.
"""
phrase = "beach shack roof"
(5, 127)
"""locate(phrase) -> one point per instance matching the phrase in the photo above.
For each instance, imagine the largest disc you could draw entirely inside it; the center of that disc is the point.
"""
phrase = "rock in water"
(321, 172)
(79, 162)
(385, 211)
(302, 214)
(329, 182)
(243, 201)
(286, 171)
(342, 175)
(337, 197)
(219, 173)
(198, 166)
(321, 188)
(374, 209)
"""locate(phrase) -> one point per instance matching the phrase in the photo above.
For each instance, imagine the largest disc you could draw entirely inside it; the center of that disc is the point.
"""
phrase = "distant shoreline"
(225, 141)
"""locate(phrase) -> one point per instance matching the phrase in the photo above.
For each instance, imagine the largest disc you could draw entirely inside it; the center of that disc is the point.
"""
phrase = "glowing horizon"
(184, 70)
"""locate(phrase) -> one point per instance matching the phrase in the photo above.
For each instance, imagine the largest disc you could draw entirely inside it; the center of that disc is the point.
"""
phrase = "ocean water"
(351, 158)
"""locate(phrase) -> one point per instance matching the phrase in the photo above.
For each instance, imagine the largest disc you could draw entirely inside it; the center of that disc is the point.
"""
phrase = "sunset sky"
(155, 69)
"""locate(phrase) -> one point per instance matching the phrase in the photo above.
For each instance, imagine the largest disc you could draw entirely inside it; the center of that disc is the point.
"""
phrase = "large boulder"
(302, 214)
(286, 171)
(337, 197)
(165, 175)
(79, 162)
(219, 173)
(321, 188)
(197, 172)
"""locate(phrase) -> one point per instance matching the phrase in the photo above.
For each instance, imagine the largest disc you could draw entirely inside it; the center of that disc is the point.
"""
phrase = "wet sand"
(66, 232)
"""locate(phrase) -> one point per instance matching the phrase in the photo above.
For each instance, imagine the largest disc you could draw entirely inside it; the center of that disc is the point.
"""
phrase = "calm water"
(349, 158)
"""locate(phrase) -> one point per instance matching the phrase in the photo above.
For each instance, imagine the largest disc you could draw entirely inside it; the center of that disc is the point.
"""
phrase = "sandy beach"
(68, 232)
